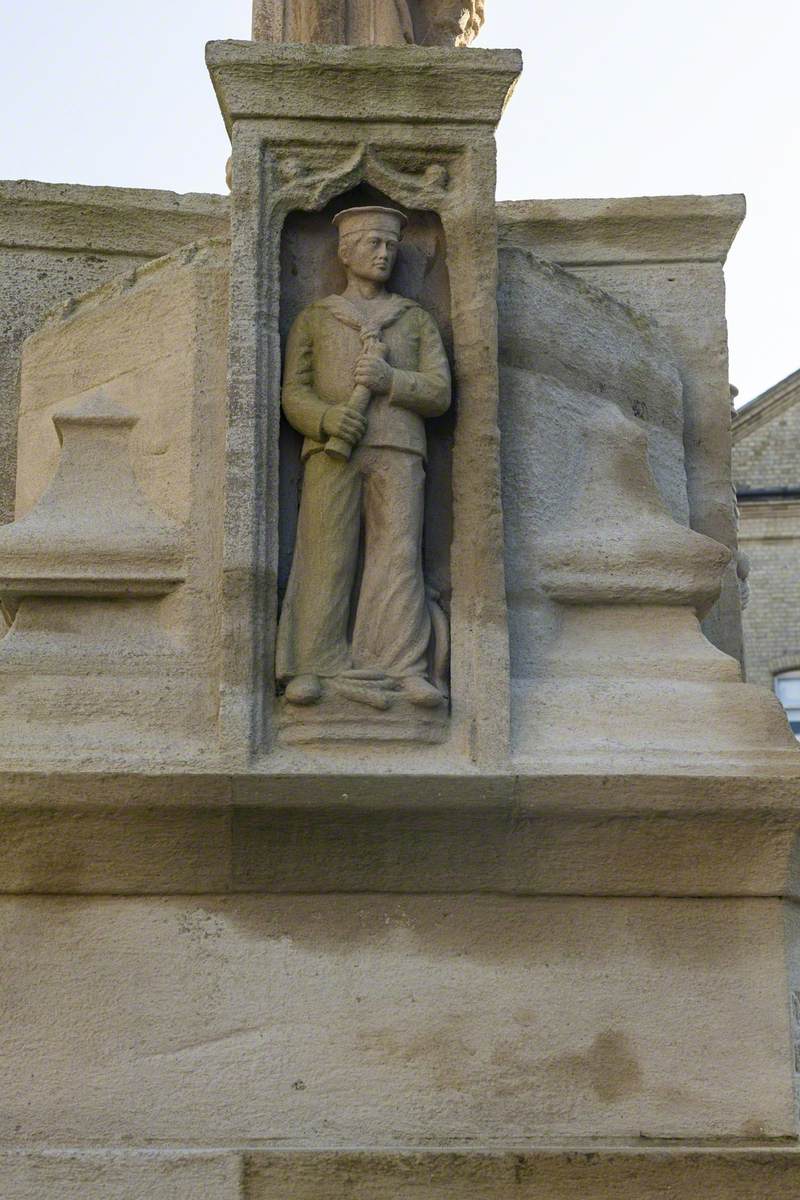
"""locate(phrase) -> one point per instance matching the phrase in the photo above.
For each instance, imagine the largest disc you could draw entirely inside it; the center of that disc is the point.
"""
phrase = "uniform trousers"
(382, 492)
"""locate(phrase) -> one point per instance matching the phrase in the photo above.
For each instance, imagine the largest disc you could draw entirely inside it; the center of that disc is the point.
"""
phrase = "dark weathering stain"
(613, 1067)
(609, 1067)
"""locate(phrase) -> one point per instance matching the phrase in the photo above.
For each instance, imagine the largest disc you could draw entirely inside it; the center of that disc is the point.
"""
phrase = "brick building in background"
(766, 472)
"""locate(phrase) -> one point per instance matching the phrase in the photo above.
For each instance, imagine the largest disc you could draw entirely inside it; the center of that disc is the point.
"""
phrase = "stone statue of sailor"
(363, 371)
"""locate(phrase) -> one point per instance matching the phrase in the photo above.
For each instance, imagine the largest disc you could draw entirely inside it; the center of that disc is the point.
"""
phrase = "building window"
(787, 689)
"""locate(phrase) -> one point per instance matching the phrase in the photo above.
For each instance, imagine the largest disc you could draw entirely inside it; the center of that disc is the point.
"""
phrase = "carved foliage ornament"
(312, 176)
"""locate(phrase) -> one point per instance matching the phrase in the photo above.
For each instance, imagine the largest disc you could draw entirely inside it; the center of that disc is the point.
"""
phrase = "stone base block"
(120, 1175)
(639, 724)
(380, 1021)
(580, 1172)
(339, 720)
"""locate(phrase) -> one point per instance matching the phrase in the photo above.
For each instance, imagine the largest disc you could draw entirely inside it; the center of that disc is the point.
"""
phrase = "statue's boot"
(419, 691)
(304, 689)
(373, 693)
(375, 678)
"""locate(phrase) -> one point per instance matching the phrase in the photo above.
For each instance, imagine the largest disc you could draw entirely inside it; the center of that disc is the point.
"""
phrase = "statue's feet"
(419, 691)
(303, 690)
(372, 688)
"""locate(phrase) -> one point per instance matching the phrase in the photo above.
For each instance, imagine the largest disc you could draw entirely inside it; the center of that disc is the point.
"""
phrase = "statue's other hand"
(344, 422)
(373, 373)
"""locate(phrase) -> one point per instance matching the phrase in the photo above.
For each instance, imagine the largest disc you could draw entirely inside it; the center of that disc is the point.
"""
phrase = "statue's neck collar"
(372, 314)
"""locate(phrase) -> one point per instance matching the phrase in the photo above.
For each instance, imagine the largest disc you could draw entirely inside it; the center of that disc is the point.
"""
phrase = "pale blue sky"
(620, 98)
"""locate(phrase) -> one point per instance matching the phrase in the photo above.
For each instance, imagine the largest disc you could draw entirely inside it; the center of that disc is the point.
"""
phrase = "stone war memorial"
(384, 813)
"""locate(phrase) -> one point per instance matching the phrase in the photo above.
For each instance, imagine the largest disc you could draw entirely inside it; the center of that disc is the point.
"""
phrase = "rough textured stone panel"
(375, 1021)
(116, 1175)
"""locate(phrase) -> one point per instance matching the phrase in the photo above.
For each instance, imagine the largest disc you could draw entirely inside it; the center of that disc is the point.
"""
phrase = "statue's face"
(370, 255)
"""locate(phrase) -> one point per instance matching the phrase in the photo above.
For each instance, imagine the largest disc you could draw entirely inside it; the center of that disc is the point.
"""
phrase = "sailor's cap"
(359, 220)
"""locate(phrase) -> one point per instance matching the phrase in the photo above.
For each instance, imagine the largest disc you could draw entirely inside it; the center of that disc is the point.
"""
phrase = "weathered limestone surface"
(663, 256)
(604, 577)
(592, 1171)
(568, 351)
(375, 1021)
(111, 570)
(571, 418)
(556, 325)
(58, 241)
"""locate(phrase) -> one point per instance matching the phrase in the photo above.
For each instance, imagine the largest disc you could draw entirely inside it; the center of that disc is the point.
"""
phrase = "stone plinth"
(200, 1020)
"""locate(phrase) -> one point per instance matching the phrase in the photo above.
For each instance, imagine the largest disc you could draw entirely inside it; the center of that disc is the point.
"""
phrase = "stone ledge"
(623, 231)
(585, 1170)
(130, 222)
(517, 835)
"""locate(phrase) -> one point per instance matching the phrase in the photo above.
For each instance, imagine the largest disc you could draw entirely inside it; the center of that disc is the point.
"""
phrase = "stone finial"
(368, 22)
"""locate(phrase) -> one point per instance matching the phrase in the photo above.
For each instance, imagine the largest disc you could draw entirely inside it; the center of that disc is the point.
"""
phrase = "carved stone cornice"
(423, 85)
(626, 230)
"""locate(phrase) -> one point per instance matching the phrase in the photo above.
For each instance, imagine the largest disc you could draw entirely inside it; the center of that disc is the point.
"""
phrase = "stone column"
(307, 125)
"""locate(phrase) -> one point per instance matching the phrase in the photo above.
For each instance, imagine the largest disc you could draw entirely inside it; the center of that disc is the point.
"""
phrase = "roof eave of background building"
(766, 407)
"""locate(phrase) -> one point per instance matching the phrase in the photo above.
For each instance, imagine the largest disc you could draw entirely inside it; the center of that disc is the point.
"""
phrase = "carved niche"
(314, 278)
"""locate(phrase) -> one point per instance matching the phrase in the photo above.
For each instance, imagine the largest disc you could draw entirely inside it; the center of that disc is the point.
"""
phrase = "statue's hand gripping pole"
(360, 398)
